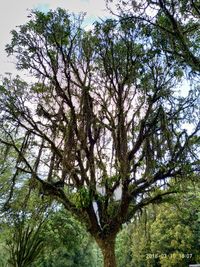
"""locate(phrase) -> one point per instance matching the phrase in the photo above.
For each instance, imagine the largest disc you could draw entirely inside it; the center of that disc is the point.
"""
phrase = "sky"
(13, 13)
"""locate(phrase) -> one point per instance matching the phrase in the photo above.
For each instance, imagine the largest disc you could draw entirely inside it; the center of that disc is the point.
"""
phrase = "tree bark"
(107, 247)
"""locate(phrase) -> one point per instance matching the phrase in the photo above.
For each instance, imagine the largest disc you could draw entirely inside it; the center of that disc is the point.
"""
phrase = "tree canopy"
(173, 26)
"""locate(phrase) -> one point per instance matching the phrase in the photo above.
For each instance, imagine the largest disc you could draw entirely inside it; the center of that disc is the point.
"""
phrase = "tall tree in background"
(103, 128)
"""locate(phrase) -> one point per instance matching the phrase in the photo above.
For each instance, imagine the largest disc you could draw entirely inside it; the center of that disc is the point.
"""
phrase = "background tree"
(124, 245)
(21, 225)
(166, 234)
(67, 243)
(33, 235)
(25, 243)
(103, 128)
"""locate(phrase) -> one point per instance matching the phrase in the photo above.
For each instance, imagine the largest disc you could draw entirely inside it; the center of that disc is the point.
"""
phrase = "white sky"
(13, 13)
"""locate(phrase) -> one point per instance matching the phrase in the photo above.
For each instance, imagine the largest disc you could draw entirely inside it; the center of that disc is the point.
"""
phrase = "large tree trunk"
(107, 247)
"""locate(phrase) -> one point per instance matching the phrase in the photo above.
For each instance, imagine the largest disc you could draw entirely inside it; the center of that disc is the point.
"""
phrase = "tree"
(168, 234)
(21, 225)
(103, 129)
(66, 243)
(25, 243)
(173, 27)
(124, 245)
(32, 235)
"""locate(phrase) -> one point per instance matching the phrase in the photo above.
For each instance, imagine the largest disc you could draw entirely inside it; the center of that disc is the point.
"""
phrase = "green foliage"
(4, 257)
(171, 26)
(25, 244)
(21, 225)
(67, 243)
(32, 236)
(168, 234)
(51, 30)
(123, 245)
(81, 198)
